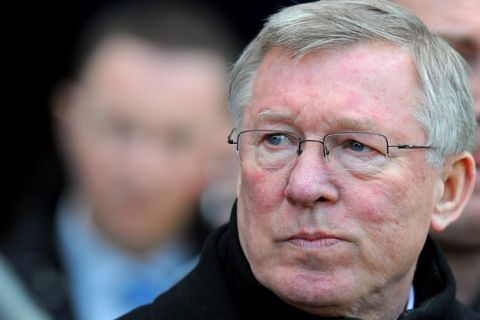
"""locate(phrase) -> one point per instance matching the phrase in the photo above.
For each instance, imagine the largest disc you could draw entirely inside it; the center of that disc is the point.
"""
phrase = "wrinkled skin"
(324, 240)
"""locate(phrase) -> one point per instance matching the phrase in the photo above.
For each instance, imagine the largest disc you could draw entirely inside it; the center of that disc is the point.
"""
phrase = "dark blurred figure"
(458, 21)
(15, 301)
(138, 127)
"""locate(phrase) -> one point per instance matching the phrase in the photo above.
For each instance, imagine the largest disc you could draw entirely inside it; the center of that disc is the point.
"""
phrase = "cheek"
(96, 167)
(259, 198)
(392, 218)
(391, 201)
(188, 182)
(262, 191)
(369, 208)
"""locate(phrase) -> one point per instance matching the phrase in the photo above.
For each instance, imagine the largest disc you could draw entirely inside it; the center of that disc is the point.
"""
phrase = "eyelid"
(356, 137)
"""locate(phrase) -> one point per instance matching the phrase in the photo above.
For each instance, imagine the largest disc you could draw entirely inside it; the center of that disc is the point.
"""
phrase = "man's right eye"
(277, 139)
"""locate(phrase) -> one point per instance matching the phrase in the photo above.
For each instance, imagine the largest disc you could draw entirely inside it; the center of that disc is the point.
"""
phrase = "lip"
(318, 240)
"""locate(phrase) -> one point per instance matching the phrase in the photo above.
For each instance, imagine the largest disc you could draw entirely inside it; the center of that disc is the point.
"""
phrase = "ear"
(62, 99)
(453, 190)
(62, 102)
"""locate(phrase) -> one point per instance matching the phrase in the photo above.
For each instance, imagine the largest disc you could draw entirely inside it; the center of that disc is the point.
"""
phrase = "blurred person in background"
(15, 301)
(458, 21)
(138, 130)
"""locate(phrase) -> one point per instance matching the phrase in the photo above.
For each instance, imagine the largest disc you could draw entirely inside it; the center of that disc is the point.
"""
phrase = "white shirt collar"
(411, 299)
(97, 270)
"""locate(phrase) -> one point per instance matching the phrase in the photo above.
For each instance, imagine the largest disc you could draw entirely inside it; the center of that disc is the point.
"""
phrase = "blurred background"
(38, 40)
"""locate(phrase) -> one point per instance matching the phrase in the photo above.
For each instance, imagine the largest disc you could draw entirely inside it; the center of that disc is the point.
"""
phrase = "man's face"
(324, 239)
(137, 133)
(459, 23)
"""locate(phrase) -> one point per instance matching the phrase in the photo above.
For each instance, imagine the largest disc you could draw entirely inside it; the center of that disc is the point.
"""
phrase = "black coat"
(223, 287)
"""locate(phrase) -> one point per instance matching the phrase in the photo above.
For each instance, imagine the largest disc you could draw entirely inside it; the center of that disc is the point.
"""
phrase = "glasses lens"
(266, 148)
(360, 152)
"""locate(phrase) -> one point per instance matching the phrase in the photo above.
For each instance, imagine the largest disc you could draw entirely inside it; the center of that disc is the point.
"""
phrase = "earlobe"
(453, 191)
(62, 101)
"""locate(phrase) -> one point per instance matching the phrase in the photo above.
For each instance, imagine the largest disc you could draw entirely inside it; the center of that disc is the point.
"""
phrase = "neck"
(464, 264)
(389, 305)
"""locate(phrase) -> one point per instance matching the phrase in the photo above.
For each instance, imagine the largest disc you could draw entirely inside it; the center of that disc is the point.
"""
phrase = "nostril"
(322, 199)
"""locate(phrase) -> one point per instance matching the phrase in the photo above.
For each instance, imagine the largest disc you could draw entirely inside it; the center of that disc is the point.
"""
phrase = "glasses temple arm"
(409, 146)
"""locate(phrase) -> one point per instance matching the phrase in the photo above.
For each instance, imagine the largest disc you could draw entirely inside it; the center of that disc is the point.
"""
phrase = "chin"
(314, 292)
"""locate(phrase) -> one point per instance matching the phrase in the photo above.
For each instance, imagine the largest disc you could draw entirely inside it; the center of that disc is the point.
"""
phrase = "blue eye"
(357, 146)
(276, 139)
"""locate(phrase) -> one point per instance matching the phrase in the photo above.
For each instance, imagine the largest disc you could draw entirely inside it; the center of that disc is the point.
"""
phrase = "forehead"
(129, 73)
(132, 81)
(373, 85)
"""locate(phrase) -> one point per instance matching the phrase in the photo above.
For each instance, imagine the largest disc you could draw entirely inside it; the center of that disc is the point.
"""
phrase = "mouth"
(314, 240)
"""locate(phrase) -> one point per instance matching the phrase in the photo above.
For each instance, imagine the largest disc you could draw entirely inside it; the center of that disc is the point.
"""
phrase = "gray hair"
(445, 108)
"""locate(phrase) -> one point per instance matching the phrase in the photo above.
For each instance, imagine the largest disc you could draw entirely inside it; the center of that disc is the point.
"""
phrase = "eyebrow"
(269, 115)
(359, 124)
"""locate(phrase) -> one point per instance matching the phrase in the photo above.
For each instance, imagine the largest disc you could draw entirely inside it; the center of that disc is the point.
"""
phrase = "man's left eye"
(357, 146)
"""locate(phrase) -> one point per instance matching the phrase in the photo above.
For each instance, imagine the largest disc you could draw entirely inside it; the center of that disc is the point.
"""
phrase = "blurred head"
(349, 153)
(458, 22)
(138, 125)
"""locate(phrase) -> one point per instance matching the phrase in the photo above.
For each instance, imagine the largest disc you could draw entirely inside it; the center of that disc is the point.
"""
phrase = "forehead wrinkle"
(326, 124)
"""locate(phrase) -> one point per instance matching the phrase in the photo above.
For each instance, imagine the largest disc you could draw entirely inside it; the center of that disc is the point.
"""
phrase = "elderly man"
(354, 126)
(459, 23)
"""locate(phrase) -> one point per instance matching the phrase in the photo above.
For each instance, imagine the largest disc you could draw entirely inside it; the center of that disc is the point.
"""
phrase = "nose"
(311, 181)
(146, 165)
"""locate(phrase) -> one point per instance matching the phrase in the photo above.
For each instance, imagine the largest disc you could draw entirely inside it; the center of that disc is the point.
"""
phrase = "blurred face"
(322, 238)
(459, 23)
(137, 134)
